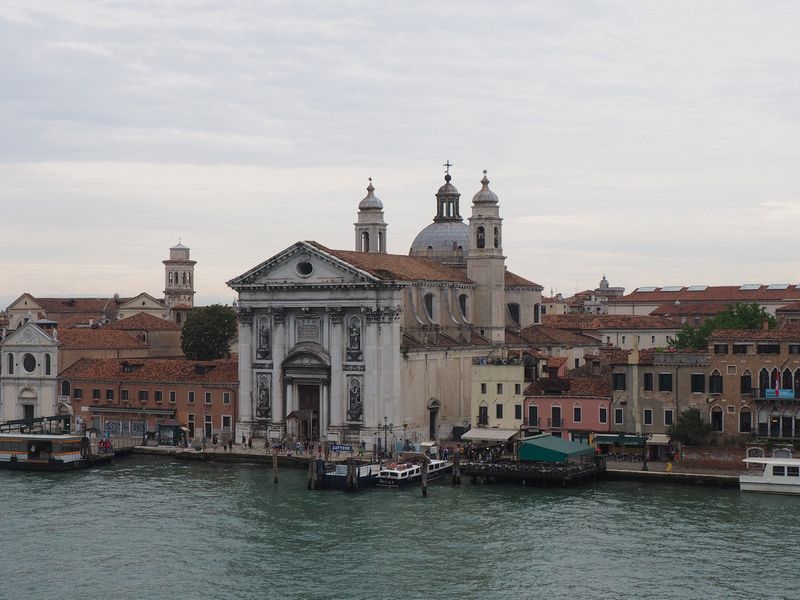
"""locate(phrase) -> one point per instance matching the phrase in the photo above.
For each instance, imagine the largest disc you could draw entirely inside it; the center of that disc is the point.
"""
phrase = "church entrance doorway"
(308, 414)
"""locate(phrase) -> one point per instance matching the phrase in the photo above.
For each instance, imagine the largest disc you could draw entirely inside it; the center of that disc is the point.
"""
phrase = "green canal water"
(152, 529)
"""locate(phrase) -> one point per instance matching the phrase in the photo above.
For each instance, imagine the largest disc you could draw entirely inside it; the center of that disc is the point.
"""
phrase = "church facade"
(368, 346)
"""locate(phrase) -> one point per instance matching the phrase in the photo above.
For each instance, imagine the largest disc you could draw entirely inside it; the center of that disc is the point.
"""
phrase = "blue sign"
(781, 394)
(341, 448)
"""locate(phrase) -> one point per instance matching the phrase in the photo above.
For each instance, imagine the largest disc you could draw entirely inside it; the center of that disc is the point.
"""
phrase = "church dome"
(371, 201)
(443, 241)
(446, 239)
(485, 195)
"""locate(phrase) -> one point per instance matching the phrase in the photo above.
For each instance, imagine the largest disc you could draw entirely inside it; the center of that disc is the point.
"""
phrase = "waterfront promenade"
(656, 473)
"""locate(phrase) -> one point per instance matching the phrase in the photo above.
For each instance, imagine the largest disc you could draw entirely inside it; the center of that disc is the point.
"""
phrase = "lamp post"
(405, 436)
(385, 430)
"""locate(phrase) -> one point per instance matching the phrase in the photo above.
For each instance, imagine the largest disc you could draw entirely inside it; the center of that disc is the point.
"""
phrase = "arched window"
(429, 305)
(188, 278)
(480, 238)
(763, 379)
(513, 313)
(787, 382)
(796, 385)
(47, 364)
(716, 419)
(537, 313)
(365, 241)
(381, 242)
(430, 251)
(65, 388)
(170, 277)
(496, 237)
(462, 303)
(715, 382)
(10, 363)
(746, 383)
(185, 277)
(745, 420)
(763, 422)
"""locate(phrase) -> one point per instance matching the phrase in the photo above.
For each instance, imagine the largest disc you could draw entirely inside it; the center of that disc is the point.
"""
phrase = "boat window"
(793, 471)
(778, 470)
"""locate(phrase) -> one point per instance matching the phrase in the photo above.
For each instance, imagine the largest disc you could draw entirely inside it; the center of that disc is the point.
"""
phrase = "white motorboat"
(398, 474)
(771, 475)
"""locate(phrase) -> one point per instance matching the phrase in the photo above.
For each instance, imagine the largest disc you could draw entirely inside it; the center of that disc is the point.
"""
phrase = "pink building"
(570, 408)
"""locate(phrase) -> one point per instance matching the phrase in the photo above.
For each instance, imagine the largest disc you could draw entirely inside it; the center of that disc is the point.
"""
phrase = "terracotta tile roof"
(74, 321)
(97, 338)
(583, 386)
(620, 357)
(542, 335)
(597, 322)
(718, 293)
(397, 267)
(155, 370)
(691, 309)
(793, 307)
(80, 305)
(514, 280)
(143, 321)
(441, 340)
(556, 361)
(789, 332)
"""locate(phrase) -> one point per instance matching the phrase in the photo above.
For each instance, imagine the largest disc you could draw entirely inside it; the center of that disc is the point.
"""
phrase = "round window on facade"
(304, 268)
(29, 362)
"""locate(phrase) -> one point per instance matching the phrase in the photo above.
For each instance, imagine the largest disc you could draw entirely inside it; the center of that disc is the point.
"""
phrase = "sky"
(657, 143)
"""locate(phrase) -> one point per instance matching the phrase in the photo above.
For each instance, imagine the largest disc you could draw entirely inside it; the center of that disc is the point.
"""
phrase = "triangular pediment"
(143, 301)
(25, 302)
(28, 335)
(302, 265)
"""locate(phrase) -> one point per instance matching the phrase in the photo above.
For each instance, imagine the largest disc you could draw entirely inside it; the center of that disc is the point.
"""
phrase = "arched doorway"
(306, 376)
(433, 418)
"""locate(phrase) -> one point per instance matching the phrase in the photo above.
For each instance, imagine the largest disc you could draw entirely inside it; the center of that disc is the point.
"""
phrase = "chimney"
(595, 367)
(765, 325)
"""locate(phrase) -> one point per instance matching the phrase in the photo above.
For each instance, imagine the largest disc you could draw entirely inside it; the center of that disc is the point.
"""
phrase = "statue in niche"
(355, 410)
(264, 341)
(481, 238)
(263, 409)
(354, 340)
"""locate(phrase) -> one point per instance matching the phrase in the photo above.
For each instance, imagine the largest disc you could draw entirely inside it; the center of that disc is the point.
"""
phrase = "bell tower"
(486, 264)
(370, 227)
(179, 278)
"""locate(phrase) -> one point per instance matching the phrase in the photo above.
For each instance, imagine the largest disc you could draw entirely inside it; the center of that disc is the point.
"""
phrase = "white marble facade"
(319, 348)
(28, 377)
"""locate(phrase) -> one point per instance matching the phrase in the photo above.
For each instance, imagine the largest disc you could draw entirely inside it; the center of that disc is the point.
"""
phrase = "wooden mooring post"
(274, 466)
(424, 467)
(457, 468)
(311, 478)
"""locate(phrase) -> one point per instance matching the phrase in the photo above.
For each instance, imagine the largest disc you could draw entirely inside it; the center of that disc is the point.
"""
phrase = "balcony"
(532, 423)
(555, 423)
(771, 393)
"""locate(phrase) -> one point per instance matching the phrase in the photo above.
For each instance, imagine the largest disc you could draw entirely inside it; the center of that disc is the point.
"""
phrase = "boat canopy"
(548, 448)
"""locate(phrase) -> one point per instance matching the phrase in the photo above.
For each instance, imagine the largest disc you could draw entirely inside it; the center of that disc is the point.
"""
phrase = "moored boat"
(43, 452)
(366, 476)
(777, 476)
(401, 474)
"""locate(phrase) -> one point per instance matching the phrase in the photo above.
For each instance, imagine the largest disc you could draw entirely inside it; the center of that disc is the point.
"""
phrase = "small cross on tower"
(447, 166)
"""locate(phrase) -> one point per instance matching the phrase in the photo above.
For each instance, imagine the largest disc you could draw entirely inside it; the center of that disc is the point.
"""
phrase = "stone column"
(244, 420)
(279, 345)
(323, 411)
(373, 403)
(337, 410)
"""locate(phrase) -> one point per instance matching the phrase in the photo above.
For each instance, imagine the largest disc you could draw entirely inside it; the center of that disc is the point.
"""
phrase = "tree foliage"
(208, 332)
(690, 428)
(742, 315)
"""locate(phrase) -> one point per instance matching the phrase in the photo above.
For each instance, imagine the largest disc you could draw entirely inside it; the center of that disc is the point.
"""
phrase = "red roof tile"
(719, 293)
(143, 321)
(97, 338)
(155, 370)
(596, 322)
(789, 332)
(397, 267)
(514, 280)
(542, 335)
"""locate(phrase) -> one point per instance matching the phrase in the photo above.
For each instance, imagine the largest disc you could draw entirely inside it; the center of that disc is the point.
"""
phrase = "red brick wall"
(712, 457)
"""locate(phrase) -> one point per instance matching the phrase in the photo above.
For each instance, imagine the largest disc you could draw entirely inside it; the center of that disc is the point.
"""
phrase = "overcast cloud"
(655, 142)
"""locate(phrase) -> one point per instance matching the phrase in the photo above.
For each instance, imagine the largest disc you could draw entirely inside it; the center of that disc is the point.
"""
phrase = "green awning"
(549, 448)
(619, 439)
